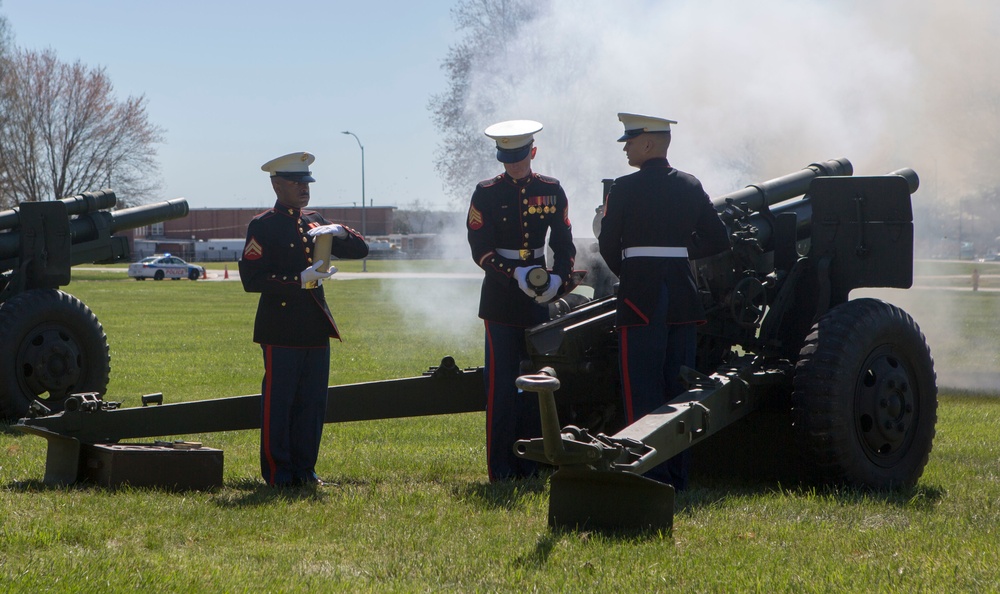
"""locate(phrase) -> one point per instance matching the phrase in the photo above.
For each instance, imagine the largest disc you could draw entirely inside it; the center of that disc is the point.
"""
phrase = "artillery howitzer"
(784, 351)
(847, 387)
(51, 344)
(55, 358)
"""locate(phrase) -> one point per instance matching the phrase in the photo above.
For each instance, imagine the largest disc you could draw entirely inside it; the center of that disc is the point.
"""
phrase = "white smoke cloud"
(759, 89)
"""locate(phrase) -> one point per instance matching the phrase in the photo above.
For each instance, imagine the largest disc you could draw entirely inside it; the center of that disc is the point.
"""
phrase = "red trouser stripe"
(491, 384)
(266, 420)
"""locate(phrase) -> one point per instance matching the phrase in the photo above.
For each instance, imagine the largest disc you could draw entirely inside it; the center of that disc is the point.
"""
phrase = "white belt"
(655, 251)
(521, 254)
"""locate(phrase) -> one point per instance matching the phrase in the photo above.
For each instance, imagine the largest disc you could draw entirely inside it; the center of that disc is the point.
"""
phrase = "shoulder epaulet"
(546, 179)
(491, 182)
(264, 214)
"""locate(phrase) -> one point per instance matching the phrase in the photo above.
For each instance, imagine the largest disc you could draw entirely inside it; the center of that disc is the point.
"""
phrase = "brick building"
(218, 233)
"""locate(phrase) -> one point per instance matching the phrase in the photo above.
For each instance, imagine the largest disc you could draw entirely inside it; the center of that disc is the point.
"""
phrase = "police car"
(165, 266)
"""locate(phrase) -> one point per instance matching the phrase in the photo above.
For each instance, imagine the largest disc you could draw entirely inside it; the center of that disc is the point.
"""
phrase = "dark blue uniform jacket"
(515, 215)
(277, 250)
(659, 206)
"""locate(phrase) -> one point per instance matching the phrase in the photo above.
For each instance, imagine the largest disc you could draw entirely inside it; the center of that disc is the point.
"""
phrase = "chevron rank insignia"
(475, 219)
(253, 250)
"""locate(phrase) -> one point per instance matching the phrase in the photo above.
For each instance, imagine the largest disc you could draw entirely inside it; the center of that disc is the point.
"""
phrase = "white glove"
(521, 276)
(312, 275)
(334, 229)
(554, 283)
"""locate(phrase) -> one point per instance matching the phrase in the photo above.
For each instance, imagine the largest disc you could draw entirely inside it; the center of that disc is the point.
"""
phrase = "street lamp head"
(357, 139)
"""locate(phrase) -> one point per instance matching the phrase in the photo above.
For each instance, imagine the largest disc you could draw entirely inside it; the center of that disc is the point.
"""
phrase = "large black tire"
(193, 274)
(158, 275)
(51, 346)
(865, 399)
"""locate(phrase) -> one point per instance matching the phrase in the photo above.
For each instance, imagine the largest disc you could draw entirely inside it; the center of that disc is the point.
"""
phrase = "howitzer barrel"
(803, 209)
(90, 226)
(758, 196)
(75, 205)
(910, 176)
(147, 214)
(778, 192)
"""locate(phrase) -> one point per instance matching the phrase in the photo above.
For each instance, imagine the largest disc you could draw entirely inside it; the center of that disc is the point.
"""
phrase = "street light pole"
(364, 230)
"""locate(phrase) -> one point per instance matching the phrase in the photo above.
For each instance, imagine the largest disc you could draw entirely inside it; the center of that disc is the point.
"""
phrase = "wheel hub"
(50, 362)
(886, 406)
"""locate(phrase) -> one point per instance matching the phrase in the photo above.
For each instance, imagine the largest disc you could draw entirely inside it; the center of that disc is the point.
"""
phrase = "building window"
(156, 229)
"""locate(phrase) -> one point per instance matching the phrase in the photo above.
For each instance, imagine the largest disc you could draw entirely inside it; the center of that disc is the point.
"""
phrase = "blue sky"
(236, 83)
(760, 89)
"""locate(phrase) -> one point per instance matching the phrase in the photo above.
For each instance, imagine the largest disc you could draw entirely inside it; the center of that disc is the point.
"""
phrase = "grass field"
(411, 510)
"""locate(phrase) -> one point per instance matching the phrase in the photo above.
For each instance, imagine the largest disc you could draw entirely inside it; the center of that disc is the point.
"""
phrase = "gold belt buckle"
(526, 254)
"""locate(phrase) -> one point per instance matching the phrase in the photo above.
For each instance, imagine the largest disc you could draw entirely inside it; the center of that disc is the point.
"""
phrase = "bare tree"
(417, 217)
(5, 35)
(463, 159)
(5, 45)
(63, 132)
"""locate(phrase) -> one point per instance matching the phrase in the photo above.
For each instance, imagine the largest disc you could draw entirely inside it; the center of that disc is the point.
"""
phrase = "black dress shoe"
(309, 482)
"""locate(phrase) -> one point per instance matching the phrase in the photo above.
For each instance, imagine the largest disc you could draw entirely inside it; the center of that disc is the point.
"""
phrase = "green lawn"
(412, 511)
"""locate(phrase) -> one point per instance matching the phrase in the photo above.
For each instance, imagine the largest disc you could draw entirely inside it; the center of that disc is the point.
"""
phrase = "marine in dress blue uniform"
(508, 219)
(293, 324)
(655, 220)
